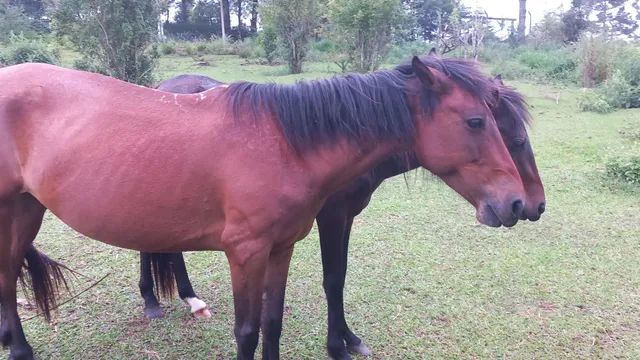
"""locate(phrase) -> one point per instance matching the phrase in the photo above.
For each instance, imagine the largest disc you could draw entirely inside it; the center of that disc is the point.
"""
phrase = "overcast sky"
(509, 8)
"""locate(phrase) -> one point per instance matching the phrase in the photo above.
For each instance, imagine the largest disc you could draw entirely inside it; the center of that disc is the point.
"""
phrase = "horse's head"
(511, 116)
(457, 138)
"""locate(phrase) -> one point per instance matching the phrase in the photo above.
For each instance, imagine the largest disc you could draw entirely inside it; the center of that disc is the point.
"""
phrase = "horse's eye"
(476, 123)
(518, 144)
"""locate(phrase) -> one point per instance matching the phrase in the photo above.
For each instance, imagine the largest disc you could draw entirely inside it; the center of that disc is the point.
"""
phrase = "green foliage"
(427, 14)
(219, 47)
(627, 170)
(590, 100)
(549, 31)
(293, 21)
(116, 35)
(556, 65)
(14, 21)
(594, 55)
(619, 93)
(167, 48)
(404, 50)
(268, 40)
(22, 50)
(364, 28)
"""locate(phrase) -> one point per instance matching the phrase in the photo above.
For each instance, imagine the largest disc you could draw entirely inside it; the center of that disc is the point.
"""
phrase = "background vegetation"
(425, 281)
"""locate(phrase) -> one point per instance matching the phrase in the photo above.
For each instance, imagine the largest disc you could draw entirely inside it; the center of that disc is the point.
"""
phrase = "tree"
(614, 19)
(254, 16)
(574, 22)
(184, 11)
(226, 17)
(365, 28)
(239, 14)
(206, 12)
(293, 22)
(522, 19)
(427, 13)
(13, 20)
(114, 36)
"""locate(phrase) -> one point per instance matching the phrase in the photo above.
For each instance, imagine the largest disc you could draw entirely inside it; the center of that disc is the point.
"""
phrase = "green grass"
(425, 280)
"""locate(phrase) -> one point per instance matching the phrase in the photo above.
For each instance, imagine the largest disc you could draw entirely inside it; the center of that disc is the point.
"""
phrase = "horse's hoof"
(360, 349)
(24, 353)
(342, 355)
(202, 314)
(155, 312)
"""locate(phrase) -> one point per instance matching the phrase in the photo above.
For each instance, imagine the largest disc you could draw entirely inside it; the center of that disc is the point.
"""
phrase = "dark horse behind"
(336, 217)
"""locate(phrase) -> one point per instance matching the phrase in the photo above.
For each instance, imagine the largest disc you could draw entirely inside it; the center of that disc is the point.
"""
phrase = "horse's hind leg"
(20, 220)
(152, 309)
(185, 290)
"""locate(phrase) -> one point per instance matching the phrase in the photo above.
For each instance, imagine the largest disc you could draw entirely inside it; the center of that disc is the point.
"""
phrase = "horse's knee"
(247, 337)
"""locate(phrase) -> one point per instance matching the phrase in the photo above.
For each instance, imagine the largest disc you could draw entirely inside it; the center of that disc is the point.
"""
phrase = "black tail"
(46, 278)
(163, 276)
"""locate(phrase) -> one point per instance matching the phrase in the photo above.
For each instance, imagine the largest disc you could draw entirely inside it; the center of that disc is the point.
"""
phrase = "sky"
(509, 8)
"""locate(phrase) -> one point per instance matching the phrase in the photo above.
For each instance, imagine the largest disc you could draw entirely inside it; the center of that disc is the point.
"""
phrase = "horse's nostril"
(541, 208)
(516, 208)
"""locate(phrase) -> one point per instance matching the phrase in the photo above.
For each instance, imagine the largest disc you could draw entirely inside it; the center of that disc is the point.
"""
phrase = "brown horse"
(336, 218)
(242, 169)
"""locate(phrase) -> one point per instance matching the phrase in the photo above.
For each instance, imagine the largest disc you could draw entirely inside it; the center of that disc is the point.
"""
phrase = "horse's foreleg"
(152, 309)
(334, 226)
(248, 263)
(185, 290)
(354, 344)
(20, 220)
(275, 285)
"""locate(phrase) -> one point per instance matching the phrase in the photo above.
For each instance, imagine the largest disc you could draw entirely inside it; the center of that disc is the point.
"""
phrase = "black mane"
(362, 107)
(514, 106)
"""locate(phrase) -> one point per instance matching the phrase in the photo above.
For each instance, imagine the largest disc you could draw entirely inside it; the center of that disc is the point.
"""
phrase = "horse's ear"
(433, 52)
(498, 79)
(423, 72)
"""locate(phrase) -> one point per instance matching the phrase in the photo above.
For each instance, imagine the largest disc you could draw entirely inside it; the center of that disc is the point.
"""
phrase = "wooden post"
(224, 36)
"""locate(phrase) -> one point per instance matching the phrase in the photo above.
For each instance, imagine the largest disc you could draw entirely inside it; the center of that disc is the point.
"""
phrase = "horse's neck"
(340, 164)
(395, 165)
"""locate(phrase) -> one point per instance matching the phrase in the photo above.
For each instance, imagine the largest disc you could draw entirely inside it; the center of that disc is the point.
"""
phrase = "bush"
(627, 170)
(590, 100)
(21, 50)
(403, 51)
(167, 48)
(268, 40)
(218, 47)
(87, 65)
(553, 65)
(594, 54)
(619, 93)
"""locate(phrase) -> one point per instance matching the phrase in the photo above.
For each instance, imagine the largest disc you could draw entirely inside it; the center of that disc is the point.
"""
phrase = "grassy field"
(425, 280)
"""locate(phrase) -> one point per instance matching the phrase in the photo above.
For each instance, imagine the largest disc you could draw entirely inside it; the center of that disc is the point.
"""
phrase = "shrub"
(268, 40)
(594, 55)
(512, 69)
(167, 48)
(218, 47)
(590, 100)
(403, 51)
(87, 65)
(619, 93)
(21, 50)
(627, 170)
(554, 65)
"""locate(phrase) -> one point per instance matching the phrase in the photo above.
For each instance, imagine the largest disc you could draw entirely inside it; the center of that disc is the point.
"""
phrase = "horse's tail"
(45, 277)
(163, 275)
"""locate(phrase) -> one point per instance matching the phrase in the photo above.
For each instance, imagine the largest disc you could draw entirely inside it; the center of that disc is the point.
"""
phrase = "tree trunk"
(239, 11)
(522, 18)
(226, 16)
(254, 16)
